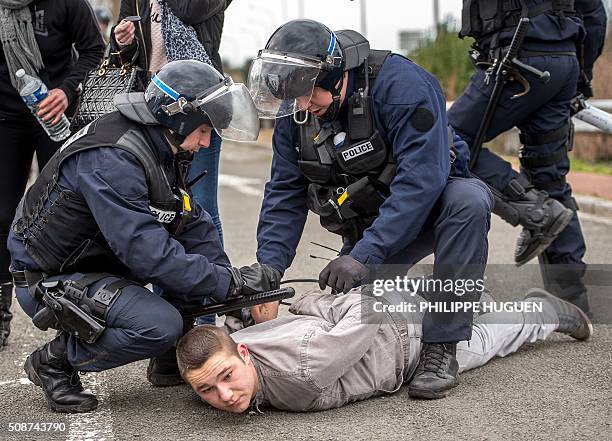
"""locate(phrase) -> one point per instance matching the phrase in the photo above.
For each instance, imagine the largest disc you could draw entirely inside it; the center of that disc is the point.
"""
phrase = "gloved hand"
(585, 87)
(342, 274)
(249, 280)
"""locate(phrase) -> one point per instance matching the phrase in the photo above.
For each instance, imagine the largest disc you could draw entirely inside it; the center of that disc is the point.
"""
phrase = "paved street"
(558, 389)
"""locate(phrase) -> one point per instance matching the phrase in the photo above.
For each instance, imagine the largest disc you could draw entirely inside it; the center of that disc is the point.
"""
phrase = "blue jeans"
(205, 190)
(205, 193)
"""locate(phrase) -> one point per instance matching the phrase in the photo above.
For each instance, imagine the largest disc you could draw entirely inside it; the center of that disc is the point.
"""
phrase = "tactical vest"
(484, 18)
(64, 236)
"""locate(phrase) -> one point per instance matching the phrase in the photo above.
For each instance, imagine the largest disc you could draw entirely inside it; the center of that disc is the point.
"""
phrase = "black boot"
(437, 372)
(6, 298)
(541, 217)
(573, 321)
(163, 370)
(48, 367)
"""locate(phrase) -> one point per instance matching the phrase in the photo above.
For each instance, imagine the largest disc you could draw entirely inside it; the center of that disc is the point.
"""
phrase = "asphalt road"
(558, 389)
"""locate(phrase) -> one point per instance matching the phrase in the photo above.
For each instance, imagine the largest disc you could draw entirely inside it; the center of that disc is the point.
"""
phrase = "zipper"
(144, 49)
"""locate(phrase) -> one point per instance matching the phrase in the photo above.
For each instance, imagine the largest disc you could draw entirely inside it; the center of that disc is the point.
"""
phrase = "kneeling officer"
(111, 212)
(372, 157)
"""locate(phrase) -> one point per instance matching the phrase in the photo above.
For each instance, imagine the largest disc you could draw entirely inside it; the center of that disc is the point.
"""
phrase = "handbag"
(102, 84)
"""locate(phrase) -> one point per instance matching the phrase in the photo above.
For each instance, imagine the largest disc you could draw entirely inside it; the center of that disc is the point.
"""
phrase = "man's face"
(320, 100)
(226, 381)
(200, 137)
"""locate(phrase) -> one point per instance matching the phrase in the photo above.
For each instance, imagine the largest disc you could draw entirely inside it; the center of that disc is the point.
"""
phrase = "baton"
(501, 77)
(239, 303)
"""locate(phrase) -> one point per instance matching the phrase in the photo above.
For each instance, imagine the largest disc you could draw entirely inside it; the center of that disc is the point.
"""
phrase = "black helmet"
(300, 55)
(185, 94)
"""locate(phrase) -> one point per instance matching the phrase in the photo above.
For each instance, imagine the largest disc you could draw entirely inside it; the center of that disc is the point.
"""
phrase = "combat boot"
(573, 321)
(541, 217)
(48, 368)
(163, 370)
(6, 298)
(437, 372)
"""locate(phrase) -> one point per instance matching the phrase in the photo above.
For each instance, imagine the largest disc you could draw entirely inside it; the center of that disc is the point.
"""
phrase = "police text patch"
(165, 217)
(422, 119)
(358, 150)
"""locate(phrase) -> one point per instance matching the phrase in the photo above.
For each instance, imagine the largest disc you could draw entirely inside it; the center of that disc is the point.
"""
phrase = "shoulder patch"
(422, 119)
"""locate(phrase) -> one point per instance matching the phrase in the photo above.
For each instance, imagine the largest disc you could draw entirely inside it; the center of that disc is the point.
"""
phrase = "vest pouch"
(363, 156)
(491, 14)
(316, 172)
(362, 198)
(471, 26)
(321, 201)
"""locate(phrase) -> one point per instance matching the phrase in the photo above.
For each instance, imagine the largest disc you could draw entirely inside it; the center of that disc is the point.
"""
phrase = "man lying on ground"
(334, 350)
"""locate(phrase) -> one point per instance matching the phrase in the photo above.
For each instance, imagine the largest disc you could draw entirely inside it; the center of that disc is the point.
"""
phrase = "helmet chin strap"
(334, 108)
(174, 138)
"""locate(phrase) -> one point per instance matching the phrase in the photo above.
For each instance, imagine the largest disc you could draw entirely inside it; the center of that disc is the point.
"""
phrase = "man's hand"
(343, 274)
(124, 33)
(264, 312)
(53, 106)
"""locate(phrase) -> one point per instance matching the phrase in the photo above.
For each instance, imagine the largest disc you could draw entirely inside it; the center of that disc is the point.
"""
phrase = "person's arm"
(411, 111)
(121, 209)
(88, 42)
(196, 11)
(128, 32)
(284, 210)
(595, 21)
(334, 352)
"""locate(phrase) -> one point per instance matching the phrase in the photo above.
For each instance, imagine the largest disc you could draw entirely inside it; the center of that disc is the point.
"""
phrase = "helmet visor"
(232, 113)
(281, 87)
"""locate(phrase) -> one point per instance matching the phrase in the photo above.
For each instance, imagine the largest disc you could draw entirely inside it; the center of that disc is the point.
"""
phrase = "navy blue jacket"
(423, 168)
(190, 266)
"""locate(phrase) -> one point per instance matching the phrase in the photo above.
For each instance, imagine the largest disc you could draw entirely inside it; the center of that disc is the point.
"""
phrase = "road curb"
(596, 206)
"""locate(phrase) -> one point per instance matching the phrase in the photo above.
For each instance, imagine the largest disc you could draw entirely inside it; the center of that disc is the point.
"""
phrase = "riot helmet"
(185, 94)
(299, 56)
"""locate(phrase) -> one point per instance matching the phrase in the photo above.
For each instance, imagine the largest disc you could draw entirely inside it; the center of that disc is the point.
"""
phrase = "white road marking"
(242, 184)
(96, 425)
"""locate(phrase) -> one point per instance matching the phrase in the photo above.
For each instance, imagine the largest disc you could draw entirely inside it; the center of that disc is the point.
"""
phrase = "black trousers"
(19, 140)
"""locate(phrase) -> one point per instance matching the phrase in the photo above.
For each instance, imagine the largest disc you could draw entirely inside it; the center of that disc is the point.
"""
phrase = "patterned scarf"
(180, 40)
(17, 36)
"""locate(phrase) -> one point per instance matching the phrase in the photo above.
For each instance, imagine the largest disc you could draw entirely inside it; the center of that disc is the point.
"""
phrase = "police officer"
(373, 156)
(539, 198)
(112, 212)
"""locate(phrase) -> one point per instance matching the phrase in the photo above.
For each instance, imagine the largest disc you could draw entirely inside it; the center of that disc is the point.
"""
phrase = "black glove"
(343, 274)
(249, 280)
(585, 87)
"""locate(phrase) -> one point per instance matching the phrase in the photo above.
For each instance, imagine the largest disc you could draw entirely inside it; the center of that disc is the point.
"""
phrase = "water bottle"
(339, 139)
(33, 91)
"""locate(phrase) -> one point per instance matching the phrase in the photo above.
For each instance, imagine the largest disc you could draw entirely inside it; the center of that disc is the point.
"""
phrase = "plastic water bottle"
(339, 139)
(33, 91)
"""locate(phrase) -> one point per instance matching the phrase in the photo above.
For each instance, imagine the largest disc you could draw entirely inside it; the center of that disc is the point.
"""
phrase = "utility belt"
(483, 59)
(67, 305)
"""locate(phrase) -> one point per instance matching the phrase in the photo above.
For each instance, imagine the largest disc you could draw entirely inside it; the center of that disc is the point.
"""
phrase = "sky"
(249, 23)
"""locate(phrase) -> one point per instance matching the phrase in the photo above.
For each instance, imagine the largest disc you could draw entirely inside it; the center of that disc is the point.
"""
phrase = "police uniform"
(426, 204)
(111, 202)
(554, 37)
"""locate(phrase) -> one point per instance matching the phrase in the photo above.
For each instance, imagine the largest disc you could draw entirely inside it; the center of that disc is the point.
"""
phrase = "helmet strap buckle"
(179, 106)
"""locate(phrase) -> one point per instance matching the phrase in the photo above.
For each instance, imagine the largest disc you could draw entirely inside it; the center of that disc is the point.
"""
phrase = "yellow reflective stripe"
(342, 198)
(186, 202)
